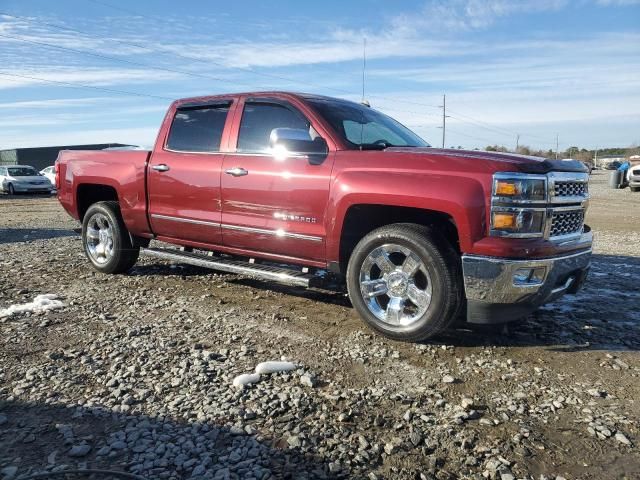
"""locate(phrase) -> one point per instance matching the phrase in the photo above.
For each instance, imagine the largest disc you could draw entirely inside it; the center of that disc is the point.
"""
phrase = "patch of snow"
(274, 367)
(245, 379)
(41, 303)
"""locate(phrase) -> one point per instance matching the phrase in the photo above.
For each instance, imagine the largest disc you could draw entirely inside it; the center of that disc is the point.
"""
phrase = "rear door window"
(198, 129)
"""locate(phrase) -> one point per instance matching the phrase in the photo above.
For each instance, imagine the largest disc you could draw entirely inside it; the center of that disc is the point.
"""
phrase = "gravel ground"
(134, 373)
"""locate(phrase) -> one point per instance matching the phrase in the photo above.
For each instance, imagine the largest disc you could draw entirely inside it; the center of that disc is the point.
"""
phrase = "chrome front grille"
(570, 189)
(569, 199)
(566, 222)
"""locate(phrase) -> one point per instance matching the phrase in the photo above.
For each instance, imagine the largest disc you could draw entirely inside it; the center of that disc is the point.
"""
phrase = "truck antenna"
(364, 67)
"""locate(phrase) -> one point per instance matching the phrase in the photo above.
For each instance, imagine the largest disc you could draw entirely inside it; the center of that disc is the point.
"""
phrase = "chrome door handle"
(237, 172)
(161, 168)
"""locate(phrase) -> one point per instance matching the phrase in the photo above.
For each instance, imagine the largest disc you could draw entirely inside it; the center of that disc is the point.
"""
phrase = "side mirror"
(297, 141)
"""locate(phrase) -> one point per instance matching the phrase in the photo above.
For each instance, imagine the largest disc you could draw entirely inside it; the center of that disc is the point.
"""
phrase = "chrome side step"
(266, 272)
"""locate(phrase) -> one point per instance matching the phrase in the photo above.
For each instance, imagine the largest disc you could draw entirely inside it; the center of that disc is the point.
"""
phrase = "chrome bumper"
(498, 290)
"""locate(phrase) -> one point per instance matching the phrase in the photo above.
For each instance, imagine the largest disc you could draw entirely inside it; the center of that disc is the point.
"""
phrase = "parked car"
(313, 191)
(50, 173)
(634, 178)
(23, 179)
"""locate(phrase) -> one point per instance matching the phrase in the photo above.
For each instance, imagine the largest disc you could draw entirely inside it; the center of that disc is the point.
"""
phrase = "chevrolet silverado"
(299, 189)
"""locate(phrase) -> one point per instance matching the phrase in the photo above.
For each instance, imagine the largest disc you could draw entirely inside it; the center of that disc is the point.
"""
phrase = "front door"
(274, 204)
(184, 176)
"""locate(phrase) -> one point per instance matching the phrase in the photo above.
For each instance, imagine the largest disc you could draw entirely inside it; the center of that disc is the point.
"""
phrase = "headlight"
(518, 205)
(519, 188)
(517, 222)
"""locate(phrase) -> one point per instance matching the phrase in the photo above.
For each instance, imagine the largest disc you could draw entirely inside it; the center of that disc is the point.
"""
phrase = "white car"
(23, 179)
(50, 173)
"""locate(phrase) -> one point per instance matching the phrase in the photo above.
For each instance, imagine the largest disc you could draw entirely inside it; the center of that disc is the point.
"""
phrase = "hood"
(510, 161)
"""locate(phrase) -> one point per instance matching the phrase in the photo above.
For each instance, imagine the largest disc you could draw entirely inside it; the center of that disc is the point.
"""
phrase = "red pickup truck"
(297, 188)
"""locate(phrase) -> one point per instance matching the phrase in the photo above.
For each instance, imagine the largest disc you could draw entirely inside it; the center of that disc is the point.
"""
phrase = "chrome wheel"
(395, 285)
(99, 239)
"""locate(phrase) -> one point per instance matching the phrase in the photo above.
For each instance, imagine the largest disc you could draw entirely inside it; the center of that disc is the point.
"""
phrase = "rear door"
(271, 204)
(184, 175)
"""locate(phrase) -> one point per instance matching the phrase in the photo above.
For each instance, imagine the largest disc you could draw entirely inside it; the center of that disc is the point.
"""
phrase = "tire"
(436, 283)
(635, 189)
(11, 190)
(105, 239)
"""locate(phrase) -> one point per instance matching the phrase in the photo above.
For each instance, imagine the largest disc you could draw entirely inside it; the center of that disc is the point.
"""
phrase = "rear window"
(198, 129)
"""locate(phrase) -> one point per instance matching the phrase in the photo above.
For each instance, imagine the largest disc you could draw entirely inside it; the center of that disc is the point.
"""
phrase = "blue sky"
(533, 68)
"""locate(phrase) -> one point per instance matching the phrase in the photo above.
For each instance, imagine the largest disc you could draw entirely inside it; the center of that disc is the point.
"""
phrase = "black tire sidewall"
(119, 236)
(435, 318)
(11, 190)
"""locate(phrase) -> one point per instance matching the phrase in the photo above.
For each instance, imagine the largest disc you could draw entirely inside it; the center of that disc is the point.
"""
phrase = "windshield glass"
(363, 127)
(22, 172)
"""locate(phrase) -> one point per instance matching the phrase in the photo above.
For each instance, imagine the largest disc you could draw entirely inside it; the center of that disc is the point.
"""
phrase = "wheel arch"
(89, 193)
(361, 219)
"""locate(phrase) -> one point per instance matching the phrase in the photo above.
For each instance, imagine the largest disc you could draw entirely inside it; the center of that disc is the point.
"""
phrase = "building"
(42, 157)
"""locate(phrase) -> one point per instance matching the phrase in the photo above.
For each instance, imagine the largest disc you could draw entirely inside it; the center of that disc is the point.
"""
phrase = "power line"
(81, 85)
(187, 57)
(488, 126)
(122, 60)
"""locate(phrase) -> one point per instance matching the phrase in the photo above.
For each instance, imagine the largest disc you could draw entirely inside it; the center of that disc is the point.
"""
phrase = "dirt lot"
(134, 373)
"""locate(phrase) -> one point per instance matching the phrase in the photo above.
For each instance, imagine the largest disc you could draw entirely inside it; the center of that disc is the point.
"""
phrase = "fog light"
(529, 276)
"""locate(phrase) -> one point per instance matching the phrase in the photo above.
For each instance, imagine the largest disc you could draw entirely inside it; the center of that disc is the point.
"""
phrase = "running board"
(265, 272)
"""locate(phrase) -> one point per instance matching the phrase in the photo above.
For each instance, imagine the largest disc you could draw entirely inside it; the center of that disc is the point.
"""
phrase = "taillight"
(57, 172)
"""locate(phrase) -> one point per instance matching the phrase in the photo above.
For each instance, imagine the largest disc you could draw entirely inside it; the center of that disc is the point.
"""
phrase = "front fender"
(453, 193)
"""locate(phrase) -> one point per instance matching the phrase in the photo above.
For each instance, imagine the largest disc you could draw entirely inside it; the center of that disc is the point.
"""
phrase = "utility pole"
(557, 144)
(517, 142)
(444, 118)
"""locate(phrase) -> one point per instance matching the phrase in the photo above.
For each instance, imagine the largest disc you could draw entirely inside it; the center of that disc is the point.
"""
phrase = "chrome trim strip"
(277, 233)
(264, 231)
(167, 149)
(184, 220)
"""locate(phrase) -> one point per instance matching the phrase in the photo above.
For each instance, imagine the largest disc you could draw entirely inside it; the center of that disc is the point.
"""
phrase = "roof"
(300, 95)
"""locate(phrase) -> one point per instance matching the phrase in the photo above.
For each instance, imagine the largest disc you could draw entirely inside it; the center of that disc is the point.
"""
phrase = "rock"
(415, 438)
(79, 450)
(622, 438)
(466, 403)
(308, 380)
(594, 392)
(390, 448)
(448, 379)
(3, 419)
(294, 441)
(506, 475)
(9, 473)
(344, 417)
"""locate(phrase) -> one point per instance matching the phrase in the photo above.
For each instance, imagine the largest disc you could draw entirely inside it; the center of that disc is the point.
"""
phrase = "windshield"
(363, 127)
(22, 172)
